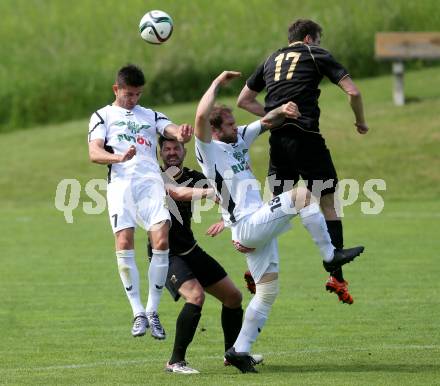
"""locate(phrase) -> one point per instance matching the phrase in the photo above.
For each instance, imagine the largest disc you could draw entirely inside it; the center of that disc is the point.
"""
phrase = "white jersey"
(227, 165)
(120, 128)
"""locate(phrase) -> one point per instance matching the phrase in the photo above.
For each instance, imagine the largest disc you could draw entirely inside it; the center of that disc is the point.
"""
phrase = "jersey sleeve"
(328, 66)
(256, 81)
(97, 129)
(205, 154)
(250, 132)
(162, 121)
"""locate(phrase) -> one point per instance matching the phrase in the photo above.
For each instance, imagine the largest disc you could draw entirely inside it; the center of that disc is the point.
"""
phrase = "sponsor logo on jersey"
(135, 139)
(242, 163)
(135, 129)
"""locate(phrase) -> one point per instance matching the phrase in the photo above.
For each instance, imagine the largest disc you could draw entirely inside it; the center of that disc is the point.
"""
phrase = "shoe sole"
(231, 363)
(227, 364)
(158, 337)
(333, 290)
(181, 372)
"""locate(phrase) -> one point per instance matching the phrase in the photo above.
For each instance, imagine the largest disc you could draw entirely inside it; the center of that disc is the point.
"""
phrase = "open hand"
(226, 76)
(185, 132)
(216, 229)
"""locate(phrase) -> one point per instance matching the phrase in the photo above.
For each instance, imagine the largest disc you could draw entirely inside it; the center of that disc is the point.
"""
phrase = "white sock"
(129, 275)
(256, 315)
(314, 221)
(157, 276)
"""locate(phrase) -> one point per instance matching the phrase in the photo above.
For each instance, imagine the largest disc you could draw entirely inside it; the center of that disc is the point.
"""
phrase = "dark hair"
(216, 116)
(162, 140)
(130, 75)
(299, 29)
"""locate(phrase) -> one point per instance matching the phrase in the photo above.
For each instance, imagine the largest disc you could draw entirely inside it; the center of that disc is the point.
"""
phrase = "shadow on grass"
(354, 368)
(410, 99)
(414, 99)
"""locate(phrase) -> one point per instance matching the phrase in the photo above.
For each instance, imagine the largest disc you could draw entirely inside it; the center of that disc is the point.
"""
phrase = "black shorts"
(195, 265)
(298, 153)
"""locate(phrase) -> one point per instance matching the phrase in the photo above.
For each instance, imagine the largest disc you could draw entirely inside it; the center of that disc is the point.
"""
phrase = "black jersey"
(293, 73)
(181, 238)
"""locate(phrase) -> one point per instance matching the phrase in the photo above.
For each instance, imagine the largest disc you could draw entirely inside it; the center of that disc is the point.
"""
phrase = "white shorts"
(264, 260)
(136, 201)
(260, 229)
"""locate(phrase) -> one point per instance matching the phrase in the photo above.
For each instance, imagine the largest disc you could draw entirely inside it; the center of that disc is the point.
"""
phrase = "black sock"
(336, 235)
(186, 326)
(232, 319)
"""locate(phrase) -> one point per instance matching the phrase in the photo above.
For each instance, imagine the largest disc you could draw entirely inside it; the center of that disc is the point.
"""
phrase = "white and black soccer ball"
(156, 27)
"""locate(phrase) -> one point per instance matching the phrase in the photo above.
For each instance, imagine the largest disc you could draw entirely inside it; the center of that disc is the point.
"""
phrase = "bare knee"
(124, 245)
(196, 297)
(158, 235)
(124, 240)
(161, 244)
(233, 299)
(193, 292)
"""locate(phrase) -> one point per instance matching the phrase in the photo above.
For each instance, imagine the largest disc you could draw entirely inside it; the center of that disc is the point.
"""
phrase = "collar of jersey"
(297, 42)
(122, 108)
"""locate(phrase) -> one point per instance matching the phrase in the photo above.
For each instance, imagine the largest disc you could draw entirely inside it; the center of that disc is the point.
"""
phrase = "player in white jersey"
(123, 136)
(222, 151)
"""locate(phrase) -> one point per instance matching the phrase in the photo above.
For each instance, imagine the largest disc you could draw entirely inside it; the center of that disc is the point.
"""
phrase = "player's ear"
(308, 39)
(115, 89)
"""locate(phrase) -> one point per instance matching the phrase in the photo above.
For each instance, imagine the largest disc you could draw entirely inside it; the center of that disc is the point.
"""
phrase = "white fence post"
(398, 93)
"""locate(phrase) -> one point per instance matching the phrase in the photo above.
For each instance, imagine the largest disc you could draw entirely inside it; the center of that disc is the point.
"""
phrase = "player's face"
(228, 132)
(172, 154)
(127, 97)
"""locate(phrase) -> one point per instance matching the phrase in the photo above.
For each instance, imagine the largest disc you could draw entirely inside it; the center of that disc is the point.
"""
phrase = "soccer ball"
(156, 27)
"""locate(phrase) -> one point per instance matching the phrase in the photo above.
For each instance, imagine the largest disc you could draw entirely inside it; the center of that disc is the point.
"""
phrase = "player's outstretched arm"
(206, 104)
(99, 155)
(277, 116)
(355, 100)
(185, 193)
(247, 100)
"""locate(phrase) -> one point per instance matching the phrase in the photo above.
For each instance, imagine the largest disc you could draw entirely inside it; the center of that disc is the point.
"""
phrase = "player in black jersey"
(297, 149)
(192, 272)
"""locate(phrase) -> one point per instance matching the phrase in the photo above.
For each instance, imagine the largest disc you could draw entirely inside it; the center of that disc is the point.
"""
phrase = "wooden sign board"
(407, 45)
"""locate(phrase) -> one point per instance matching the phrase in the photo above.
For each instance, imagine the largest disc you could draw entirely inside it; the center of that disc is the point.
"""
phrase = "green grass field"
(76, 47)
(65, 320)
